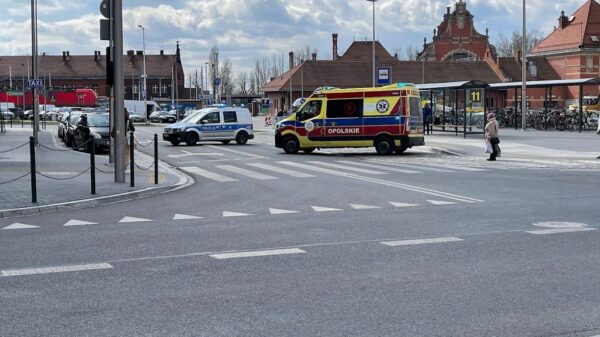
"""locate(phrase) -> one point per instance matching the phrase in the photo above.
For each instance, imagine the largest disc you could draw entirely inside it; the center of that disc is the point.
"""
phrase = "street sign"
(34, 83)
(384, 75)
(217, 81)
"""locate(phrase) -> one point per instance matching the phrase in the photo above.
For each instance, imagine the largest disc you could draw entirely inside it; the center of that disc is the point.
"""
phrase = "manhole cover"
(559, 224)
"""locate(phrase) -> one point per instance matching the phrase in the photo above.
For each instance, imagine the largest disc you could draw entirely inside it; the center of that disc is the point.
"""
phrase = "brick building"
(68, 71)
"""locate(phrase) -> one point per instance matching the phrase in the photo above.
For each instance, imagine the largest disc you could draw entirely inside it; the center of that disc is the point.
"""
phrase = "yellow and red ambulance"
(388, 118)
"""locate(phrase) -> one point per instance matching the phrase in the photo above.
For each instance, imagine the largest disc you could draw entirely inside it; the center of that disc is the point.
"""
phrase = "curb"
(184, 181)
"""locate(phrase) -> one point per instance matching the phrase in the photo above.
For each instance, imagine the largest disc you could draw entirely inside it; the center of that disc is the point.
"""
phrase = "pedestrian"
(491, 137)
(427, 112)
(128, 128)
(598, 133)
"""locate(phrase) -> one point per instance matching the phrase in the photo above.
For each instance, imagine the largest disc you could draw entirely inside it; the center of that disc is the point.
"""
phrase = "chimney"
(140, 52)
(563, 21)
(334, 37)
(162, 52)
(97, 56)
(66, 57)
(518, 55)
(314, 56)
(291, 60)
(130, 53)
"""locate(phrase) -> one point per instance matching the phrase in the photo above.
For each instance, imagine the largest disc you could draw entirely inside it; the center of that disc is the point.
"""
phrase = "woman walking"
(491, 136)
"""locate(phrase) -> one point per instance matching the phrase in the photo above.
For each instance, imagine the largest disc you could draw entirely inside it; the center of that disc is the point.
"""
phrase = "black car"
(163, 116)
(70, 126)
(97, 127)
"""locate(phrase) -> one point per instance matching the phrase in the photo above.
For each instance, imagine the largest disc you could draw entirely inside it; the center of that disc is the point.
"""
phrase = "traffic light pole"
(34, 70)
(119, 117)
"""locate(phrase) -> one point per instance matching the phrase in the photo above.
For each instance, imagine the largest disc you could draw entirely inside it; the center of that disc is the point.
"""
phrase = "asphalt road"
(337, 243)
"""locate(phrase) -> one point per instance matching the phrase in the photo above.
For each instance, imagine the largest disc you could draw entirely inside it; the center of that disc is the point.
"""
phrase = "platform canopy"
(453, 85)
(547, 84)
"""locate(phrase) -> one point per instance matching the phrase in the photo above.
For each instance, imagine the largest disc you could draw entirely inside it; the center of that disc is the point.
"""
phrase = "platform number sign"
(475, 96)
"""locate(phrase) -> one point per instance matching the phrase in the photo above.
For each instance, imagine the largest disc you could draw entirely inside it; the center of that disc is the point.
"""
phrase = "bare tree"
(243, 83)
(507, 47)
(227, 83)
(213, 61)
(411, 53)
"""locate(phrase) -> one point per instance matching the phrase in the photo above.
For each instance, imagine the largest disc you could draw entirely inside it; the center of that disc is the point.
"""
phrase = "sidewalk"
(63, 179)
(517, 145)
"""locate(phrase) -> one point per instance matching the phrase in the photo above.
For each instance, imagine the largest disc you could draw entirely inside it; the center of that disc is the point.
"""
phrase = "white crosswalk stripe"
(413, 167)
(348, 168)
(281, 170)
(379, 167)
(208, 174)
(245, 172)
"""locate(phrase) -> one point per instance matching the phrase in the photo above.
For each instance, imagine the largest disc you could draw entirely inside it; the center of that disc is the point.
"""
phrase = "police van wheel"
(191, 139)
(308, 150)
(290, 145)
(384, 146)
(241, 138)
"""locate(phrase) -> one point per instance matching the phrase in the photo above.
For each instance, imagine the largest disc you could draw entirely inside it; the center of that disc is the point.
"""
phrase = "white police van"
(217, 123)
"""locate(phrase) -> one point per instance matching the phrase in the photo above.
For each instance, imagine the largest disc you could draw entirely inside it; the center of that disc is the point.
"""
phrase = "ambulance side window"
(310, 110)
(345, 108)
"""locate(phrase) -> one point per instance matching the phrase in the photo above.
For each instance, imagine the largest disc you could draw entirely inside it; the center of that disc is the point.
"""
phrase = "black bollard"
(92, 146)
(33, 172)
(131, 161)
(155, 159)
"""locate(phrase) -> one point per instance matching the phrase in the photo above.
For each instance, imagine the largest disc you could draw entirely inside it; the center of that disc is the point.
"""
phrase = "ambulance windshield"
(310, 110)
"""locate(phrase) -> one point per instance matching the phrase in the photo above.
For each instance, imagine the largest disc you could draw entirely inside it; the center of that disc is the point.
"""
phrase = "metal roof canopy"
(453, 85)
(548, 83)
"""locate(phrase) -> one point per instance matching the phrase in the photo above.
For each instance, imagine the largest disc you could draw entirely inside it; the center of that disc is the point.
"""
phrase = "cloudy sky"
(246, 29)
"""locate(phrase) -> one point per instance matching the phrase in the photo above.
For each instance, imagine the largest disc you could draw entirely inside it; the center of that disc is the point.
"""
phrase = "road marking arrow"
(129, 219)
(78, 223)
(20, 226)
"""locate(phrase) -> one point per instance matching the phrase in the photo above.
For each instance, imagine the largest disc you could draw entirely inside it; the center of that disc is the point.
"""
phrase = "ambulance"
(388, 118)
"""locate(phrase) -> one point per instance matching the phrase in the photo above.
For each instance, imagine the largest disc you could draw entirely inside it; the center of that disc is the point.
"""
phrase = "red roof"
(576, 32)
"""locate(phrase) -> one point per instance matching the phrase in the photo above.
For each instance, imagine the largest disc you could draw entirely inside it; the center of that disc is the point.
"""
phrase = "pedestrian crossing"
(309, 169)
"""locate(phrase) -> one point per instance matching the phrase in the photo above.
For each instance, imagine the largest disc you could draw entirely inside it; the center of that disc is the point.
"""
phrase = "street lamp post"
(373, 1)
(524, 70)
(145, 92)
(206, 78)
(423, 69)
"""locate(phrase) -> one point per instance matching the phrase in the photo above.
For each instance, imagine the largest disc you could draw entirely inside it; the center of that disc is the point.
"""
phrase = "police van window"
(229, 117)
(310, 110)
(345, 108)
(415, 107)
(211, 118)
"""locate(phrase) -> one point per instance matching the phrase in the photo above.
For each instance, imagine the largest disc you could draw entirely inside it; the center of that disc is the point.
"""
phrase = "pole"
(34, 70)
(524, 70)
(131, 161)
(120, 134)
(374, 76)
(145, 73)
(196, 84)
(423, 71)
(302, 78)
(32, 169)
(173, 86)
(92, 146)
(155, 159)
(10, 76)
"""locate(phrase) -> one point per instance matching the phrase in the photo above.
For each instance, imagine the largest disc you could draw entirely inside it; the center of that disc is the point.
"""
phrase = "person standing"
(128, 128)
(427, 112)
(491, 135)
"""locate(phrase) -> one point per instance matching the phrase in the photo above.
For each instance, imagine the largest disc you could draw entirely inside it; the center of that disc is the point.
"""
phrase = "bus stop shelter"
(547, 85)
(473, 99)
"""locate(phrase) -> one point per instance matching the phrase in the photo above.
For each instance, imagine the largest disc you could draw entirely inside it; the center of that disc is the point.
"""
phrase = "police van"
(217, 123)
(388, 118)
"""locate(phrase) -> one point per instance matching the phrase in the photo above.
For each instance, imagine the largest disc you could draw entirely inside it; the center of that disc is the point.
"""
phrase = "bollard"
(155, 159)
(11, 122)
(33, 173)
(92, 146)
(22, 126)
(131, 161)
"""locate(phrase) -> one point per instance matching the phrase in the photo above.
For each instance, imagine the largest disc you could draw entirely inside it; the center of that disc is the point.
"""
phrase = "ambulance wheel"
(384, 146)
(175, 142)
(191, 139)
(291, 145)
(241, 138)
(308, 150)
(400, 149)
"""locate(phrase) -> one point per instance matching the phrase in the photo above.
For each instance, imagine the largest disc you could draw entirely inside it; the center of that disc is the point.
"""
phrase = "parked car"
(163, 117)
(70, 127)
(7, 114)
(137, 118)
(97, 126)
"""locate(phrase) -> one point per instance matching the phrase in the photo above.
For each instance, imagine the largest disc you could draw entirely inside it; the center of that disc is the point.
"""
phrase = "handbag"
(497, 148)
(488, 148)
(495, 141)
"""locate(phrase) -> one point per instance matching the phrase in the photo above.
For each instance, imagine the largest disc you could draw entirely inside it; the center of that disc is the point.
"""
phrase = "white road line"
(347, 168)
(78, 223)
(227, 214)
(420, 241)
(59, 269)
(380, 167)
(325, 209)
(243, 153)
(185, 217)
(402, 205)
(208, 174)
(247, 173)
(360, 206)
(281, 170)
(257, 253)
(560, 230)
(418, 167)
(18, 225)
(459, 168)
(440, 202)
(383, 182)
(276, 211)
(131, 219)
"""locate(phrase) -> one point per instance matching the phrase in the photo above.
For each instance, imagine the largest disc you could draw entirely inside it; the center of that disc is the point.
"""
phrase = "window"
(155, 89)
(310, 110)
(135, 89)
(589, 64)
(345, 108)
(211, 118)
(415, 108)
(229, 117)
